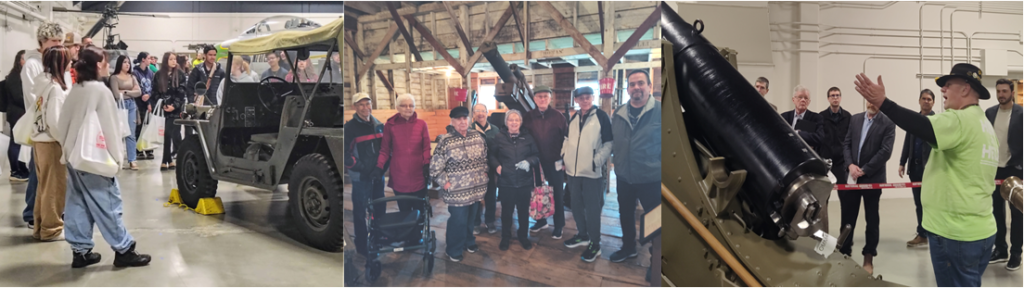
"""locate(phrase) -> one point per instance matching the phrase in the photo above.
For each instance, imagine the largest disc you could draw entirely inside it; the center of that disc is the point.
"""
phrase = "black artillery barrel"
(726, 114)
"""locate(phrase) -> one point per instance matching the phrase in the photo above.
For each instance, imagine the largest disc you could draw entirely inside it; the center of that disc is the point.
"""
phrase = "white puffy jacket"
(586, 150)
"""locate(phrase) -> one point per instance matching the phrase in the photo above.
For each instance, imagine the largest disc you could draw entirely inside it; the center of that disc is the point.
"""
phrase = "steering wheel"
(276, 102)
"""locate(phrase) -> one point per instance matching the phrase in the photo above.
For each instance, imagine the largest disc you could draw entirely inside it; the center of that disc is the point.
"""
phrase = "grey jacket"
(877, 146)
(636, 149)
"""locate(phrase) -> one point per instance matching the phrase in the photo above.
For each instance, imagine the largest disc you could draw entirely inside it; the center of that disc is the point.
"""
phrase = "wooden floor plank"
(549, 263)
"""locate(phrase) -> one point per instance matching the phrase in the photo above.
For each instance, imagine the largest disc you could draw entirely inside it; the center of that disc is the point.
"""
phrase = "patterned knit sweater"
(461, 161)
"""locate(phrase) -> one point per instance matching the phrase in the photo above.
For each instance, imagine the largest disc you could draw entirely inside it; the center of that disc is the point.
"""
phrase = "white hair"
(510, 112)
(480, 104)
(800, 88)
(403, 97)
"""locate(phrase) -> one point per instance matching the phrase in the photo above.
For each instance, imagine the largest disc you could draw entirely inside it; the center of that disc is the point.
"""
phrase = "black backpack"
(3, 96)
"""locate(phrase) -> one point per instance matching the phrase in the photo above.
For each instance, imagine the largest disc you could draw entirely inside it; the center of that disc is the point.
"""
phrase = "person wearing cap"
(48, 34)
(636, 151)
(460, 163)
(73, 48)
(144, 76)
(549, 128)
(363, 136)
(957, 182)
(406, 149)
(1006, 120)
(585, 153)
(481, 124)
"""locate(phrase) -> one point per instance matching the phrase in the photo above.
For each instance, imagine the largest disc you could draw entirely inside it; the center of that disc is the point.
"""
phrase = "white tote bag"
(22, 131)
(126, 130)
(90, 151)
(156, 124)
(152, 135)
(25, 154)
(26, 126)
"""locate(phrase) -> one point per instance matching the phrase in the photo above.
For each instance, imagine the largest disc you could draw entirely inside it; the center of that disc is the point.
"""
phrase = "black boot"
(131, 258)
(80, 260)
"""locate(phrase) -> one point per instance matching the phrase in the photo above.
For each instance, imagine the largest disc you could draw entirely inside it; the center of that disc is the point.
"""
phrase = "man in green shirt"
(957, 181)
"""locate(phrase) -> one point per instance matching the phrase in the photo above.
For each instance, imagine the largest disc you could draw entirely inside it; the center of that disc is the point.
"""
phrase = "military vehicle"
(273, 130)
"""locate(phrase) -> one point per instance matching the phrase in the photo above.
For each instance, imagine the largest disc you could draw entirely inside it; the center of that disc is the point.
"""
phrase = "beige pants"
(53, 181)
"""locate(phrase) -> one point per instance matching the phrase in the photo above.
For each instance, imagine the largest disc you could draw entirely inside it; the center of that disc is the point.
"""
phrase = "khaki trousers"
(50, 194)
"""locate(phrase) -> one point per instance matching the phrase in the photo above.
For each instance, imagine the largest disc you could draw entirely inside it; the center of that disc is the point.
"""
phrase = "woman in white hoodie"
(94, 199)
(51, 90)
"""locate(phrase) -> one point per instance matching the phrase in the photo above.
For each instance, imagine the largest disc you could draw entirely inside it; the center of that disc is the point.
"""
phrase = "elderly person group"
(477, 164)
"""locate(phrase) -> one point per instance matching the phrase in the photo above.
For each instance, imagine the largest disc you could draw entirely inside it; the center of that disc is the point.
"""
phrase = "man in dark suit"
(915, 154)
(808, 124)
(1006, 121)
(867, 147)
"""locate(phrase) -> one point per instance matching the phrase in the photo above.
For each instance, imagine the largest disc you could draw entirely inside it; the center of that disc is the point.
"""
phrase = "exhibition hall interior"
(801, 131)
(511, 143)
(187, 206)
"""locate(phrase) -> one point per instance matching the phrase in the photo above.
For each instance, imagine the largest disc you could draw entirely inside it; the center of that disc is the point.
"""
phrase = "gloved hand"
(426, 172)
(376, 174)
(523, 165)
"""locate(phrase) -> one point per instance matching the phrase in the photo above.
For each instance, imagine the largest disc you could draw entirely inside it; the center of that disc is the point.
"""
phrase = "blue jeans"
(130, 140)
(94, 199)
(362, 193)
(30, 192)
(460, 233)
(957, 263)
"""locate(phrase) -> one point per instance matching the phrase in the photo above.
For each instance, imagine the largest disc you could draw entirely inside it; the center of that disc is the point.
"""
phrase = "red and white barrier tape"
(886, 185)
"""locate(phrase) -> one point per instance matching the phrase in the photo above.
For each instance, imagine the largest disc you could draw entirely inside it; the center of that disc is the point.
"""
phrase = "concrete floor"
(909, 266)
(549, 263)
(253, 244)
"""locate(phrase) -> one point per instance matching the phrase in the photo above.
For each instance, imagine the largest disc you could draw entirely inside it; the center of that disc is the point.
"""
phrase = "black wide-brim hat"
(970, 73)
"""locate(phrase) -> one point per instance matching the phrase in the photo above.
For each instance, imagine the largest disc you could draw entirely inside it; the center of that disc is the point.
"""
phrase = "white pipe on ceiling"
(25, 11)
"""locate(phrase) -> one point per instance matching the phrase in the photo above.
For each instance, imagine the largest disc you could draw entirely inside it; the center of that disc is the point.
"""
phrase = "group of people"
(955, 155)
(477, 164)
(65, 85)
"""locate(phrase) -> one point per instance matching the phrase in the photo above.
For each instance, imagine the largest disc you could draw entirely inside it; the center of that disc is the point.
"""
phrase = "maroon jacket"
(549, 130)
(407, 143)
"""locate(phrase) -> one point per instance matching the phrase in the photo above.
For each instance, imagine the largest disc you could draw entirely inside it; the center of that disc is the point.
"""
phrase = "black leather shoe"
(85, 259)
(504, 244)
(527, 245)
(131, 258)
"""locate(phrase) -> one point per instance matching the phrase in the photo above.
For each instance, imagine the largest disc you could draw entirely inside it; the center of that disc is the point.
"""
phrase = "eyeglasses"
(834, 96)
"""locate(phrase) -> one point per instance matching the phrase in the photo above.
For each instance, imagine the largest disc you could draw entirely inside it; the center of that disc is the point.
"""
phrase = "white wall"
(808, 55)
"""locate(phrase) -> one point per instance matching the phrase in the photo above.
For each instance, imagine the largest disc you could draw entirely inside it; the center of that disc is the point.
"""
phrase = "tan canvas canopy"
(290, 39)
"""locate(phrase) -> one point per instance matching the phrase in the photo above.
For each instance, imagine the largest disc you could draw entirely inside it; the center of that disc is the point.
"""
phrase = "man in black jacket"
(867, 147)
(836, 122)
(915, 153)
(808, 124)
(1006, 120)
(363, 136)
(202, 73)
